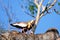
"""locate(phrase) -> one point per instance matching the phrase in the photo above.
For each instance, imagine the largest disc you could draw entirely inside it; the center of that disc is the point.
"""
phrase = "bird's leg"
(24, 30)
(31, 32)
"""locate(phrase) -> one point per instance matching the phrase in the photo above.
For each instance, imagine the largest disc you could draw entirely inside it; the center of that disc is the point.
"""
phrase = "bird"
(25, 26)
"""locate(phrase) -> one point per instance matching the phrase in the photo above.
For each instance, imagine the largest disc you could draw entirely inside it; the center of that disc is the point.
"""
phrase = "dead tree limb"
(38, 12)
(39, 15)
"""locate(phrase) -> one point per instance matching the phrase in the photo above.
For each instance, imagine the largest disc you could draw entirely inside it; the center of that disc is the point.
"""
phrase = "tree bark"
(51, 34)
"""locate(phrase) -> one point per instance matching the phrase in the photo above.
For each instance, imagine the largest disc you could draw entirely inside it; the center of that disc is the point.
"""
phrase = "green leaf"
(36, 6)
(32, 12)
(35, 11)
(31, 7)
(59, 3)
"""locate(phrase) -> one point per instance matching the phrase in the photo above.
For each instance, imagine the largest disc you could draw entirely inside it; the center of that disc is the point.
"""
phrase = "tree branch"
(52, 4)
(39, 7)
(35, 1)
(25, 11)
(49, 7)
(57, 11)
(38, 12)
(39, 15)
(30, 15)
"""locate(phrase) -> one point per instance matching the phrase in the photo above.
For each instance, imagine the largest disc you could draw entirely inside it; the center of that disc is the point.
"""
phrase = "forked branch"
(39, 15)
(38, 12)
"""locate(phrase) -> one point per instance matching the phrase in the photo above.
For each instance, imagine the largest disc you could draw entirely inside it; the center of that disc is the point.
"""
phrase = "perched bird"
(25, 26)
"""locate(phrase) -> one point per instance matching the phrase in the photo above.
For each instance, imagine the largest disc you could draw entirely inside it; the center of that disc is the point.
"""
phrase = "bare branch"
(52, 4)
(41, 15)
(57, 11)
(37, 17)
(25, 11)
(49, 6)
(39, 7)
(30, 15)
(49, 1)
(35, 1)
(40, 3)
(43, 8)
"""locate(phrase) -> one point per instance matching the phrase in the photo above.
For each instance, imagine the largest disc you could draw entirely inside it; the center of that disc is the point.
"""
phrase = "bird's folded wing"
(21, 24)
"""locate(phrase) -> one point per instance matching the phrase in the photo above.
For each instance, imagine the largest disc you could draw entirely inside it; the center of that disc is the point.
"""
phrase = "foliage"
(32, 7)
(59, 3)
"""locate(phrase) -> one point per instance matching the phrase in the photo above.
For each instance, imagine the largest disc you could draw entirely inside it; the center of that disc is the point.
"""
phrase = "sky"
(17, 14)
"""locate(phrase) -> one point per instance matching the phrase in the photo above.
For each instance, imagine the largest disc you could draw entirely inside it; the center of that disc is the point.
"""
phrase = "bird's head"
(32, 21)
